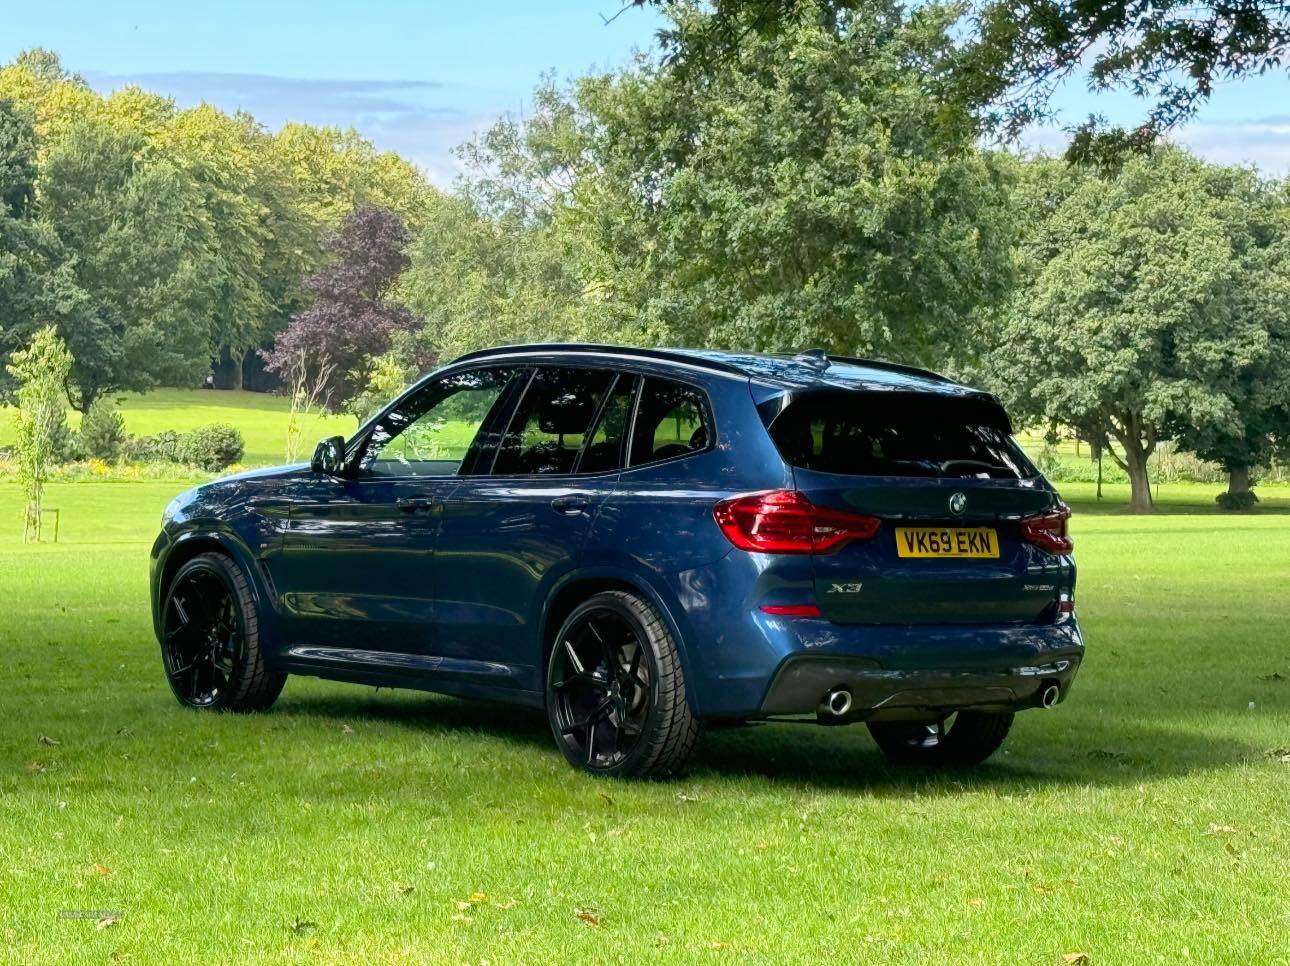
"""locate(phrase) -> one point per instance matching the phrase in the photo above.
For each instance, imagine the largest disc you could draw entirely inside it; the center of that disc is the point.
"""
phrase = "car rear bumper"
(761, 665)
(800, 685)
(905, 671)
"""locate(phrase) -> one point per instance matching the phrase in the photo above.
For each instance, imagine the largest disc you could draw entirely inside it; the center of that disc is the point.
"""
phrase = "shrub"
(102, 431)
(162, 448)
(1049, 462)
(1172, 465)
(212, 447)
(1237, 501)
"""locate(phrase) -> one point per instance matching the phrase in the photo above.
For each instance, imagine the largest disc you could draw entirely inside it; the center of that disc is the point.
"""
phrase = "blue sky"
(420, 78)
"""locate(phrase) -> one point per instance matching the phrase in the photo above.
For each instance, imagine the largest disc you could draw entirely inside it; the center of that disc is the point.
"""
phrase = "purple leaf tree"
(327, 350)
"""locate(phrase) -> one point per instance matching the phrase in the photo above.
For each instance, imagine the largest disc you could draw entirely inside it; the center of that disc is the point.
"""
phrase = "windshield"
(899, 434)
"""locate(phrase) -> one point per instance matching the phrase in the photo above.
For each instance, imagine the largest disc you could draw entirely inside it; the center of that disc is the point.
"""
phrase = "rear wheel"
(615, 692)
(210, 645)
(965, 738)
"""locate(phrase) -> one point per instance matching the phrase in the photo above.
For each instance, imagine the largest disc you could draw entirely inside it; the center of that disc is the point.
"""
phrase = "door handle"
(570, 506)
(415, 504)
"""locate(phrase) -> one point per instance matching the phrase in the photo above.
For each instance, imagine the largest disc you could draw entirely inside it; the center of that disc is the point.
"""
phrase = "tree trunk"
(85, 399)
(1135, 459)
(239, 368)
(1238, 480)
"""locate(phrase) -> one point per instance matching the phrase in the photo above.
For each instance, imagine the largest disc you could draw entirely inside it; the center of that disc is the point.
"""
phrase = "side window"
(546, 432)
(671, 420)
(604, 451)
(433, 431)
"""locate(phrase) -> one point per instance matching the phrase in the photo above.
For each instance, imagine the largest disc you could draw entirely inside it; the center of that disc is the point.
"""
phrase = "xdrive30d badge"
(640, 541)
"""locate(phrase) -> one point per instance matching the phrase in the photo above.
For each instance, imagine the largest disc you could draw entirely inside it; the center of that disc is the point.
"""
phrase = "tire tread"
(257, 687)
(669, 745)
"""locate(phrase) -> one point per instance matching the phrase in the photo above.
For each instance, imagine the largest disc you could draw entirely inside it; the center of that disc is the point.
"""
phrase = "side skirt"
(485, 680)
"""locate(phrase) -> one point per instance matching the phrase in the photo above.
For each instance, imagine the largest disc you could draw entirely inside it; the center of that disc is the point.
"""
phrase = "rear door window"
(547, 431)
(605, 449)
(671, 420)
(899, 434)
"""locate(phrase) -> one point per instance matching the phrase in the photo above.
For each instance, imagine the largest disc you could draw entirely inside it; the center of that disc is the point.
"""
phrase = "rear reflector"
(1048, 530)
(791, 610)
(785, 521)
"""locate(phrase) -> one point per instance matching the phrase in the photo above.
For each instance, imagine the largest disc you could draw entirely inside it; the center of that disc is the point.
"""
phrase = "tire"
(970, 739)
(615, 691)
(211, 649)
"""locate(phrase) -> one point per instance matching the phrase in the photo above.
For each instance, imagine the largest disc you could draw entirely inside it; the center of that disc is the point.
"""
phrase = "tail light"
(1048, 530)
(785, 521)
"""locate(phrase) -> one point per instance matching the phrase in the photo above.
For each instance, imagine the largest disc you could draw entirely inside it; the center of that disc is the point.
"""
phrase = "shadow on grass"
(434, 714)
(845, 758)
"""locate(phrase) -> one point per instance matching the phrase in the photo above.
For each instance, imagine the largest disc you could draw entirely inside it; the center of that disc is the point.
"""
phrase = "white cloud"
(1262, 142)
(421, 120)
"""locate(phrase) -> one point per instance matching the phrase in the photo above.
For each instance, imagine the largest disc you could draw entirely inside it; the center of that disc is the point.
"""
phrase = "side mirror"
(329, 456)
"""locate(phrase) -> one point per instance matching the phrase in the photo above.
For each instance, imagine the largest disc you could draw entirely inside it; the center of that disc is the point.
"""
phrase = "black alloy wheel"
(962, 738)
(615, 691)
(210, 641)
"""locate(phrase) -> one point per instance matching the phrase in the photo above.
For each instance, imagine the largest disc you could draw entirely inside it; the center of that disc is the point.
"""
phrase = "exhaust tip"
(1049, 696)
(837, 702)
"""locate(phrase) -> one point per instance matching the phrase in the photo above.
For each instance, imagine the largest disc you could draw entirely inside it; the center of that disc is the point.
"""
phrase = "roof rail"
(662, 355)
(891, 367)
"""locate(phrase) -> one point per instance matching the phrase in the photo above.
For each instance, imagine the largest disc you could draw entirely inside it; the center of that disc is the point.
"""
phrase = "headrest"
(567, 413)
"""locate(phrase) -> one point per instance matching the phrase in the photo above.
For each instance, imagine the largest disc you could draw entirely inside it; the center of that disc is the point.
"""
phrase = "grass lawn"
(261, 417)
(1145, 820)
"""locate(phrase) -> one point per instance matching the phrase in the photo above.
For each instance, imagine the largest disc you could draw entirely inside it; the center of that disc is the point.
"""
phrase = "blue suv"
(641, 541)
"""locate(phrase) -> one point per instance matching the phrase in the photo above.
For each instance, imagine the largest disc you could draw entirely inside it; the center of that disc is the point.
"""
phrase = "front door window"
(435, 432)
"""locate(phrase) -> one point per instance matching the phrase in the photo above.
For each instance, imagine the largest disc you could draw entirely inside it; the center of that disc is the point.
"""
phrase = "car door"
(355, 571)
(510, 533)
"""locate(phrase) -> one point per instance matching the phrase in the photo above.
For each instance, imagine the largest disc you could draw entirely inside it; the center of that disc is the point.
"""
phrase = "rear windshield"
(898, 434)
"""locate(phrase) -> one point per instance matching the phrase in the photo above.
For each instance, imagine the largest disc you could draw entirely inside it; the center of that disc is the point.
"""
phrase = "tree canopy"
(1013, 56)
(811, 192)
(351, 321)
(155, 238)
(1154, 302)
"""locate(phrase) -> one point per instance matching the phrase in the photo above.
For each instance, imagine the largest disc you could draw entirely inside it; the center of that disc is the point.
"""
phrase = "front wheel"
(965, 738)
(210, 645)
(615, 692)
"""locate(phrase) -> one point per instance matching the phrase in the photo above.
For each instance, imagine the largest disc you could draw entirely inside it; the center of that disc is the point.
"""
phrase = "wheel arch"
(579, 585)
(192, 544)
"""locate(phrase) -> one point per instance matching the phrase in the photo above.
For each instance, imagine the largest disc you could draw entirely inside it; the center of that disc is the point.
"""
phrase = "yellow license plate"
(946, 542)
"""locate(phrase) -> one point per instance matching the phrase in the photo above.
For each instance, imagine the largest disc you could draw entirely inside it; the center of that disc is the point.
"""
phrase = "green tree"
(30, 277)
(477, 280)
(41, 371)
(809, 192)
(337, 170)
(171, 236)
(1149, 296)
(1014, 56)
(143, 250)
(219, 154)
